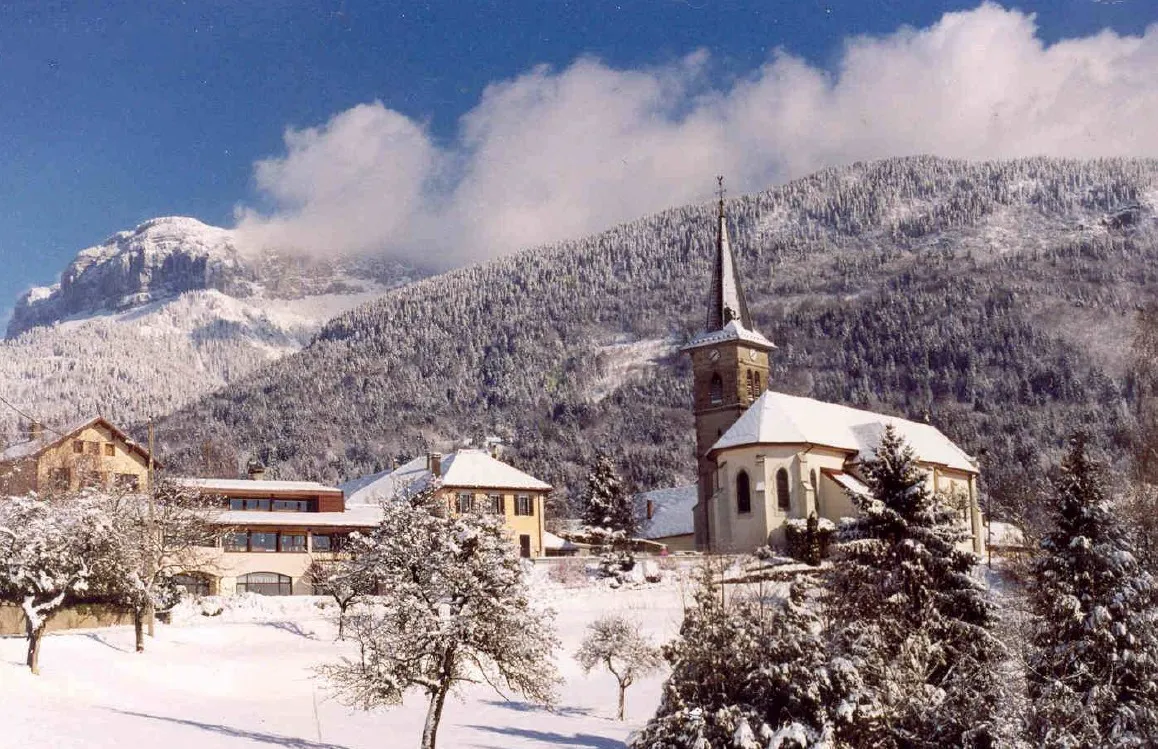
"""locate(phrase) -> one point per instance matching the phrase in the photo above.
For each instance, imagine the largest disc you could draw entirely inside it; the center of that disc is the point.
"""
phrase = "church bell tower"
(730, 368)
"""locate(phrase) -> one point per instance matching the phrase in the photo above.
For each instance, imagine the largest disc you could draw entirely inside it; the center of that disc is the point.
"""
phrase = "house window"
(249, 504)
(716, 390)
(464, 503)
(192, 584)
(265, 583)
(262, 541)
(78, 447)
(292, 542)
(743, 493)
(320, 542)
(110, 450)
(783, 501)
(524, 505)
(129, 482)
(238, 541)
(291, 505)
(94, 448)
(498, 504)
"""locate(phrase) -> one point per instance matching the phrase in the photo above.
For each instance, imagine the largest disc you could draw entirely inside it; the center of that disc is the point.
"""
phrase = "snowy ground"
(245, 679)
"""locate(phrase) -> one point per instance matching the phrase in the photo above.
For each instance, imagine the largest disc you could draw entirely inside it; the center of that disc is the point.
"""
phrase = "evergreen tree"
(909, 616)
(1093, 674)
(606, 504)
(747, 672)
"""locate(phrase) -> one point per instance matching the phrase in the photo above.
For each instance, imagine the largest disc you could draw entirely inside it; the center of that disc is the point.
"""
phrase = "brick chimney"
(35, 430)
(434, 464)
(650, 509)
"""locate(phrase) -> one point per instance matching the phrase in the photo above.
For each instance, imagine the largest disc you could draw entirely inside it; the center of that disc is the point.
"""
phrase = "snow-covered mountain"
(166, 312)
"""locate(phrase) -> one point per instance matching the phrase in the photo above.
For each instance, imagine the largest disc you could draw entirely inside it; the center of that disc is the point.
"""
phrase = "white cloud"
(557, 154)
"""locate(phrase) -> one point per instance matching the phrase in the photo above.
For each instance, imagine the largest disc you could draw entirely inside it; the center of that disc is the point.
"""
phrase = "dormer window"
(716, 390)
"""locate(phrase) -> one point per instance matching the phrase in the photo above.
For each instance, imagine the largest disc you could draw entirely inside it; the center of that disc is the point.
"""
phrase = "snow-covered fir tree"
(909, 617)
(617, 644)
(1093, 668)
(606, 504)
(453, 607)
(748, 671)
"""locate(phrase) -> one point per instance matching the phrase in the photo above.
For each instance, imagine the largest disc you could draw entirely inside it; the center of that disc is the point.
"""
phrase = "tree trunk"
(34, 635)
(434, 715)
(139, 627)
(341, 622)
(150, 619)
(622, 699)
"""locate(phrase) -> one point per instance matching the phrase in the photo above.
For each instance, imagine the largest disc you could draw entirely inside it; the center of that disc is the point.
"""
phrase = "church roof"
(467, 469)
(733, 331)
(779, 418)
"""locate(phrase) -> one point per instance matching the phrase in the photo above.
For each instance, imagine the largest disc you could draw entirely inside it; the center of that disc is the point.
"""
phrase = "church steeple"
(727, 301)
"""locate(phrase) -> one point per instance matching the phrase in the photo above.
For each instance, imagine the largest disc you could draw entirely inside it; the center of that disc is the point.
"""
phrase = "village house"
(469, 481)
(92, 453)
(666, 517)
(765, 457)
(272, 531)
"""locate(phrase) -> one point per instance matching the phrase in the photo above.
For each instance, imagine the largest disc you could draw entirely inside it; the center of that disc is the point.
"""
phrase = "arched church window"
(743, 493)
(716, 389)
(783, 501)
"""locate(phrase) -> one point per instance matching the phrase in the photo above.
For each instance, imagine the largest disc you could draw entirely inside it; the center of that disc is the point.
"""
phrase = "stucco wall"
(530, 525)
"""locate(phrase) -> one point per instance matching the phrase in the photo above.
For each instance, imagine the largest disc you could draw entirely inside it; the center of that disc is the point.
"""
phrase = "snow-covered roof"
(467, 469)
(226, 486)
(362, 516)
(53, 436)
(779, 418)
(733, 331)
(671, 512)
(557, 543)
(848, 482)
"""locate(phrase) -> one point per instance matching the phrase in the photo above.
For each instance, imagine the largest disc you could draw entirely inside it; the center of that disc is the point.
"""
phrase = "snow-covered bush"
(453, 607)
(617, 644)
(808, 539)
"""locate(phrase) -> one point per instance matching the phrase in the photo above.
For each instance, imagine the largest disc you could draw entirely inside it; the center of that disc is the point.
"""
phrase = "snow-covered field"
(245, 678)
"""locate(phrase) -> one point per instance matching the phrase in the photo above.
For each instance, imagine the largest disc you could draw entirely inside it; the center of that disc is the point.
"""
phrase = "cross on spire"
(720, 192)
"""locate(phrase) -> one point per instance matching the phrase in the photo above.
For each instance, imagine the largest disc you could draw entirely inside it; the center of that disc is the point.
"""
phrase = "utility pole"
(154, 542)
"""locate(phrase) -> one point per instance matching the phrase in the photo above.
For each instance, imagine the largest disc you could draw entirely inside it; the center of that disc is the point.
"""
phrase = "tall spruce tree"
(1092, 672)
(606, 504)
(909, 616)
(747, 671)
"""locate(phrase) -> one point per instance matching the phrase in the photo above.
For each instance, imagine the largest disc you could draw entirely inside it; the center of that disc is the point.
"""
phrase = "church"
(764, 457)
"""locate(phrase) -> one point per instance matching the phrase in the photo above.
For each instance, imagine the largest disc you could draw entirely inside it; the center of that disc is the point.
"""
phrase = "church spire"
(727, 296)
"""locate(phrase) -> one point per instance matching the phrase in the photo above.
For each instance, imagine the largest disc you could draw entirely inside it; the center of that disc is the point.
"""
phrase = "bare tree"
(454, 608)
(158, 537)
(343, 581)
(618, 645)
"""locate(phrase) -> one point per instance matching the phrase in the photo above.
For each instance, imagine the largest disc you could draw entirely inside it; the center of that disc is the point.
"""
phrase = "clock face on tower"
(752, 354)
(714, 355)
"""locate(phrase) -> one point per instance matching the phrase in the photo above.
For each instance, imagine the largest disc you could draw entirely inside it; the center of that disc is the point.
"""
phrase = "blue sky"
(114, 112)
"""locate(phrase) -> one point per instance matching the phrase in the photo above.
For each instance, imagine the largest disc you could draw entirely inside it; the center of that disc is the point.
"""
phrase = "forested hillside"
(994, 299)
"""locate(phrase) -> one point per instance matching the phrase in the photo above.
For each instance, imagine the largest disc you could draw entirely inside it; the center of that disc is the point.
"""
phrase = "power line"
(30, 417)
